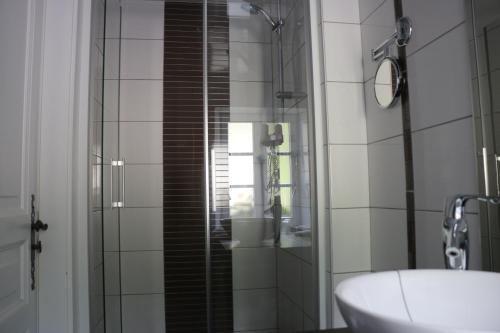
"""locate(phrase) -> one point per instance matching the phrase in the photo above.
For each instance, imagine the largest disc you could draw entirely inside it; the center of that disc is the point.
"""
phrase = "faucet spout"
(456, 230)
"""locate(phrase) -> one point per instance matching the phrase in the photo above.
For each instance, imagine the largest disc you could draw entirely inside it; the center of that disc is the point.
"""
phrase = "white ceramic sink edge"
(421, 301)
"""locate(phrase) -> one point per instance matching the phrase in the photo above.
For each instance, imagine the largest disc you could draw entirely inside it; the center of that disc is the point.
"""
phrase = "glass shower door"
(261, 269)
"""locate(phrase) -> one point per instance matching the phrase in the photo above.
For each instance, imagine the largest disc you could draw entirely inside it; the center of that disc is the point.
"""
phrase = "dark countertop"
(338, 330)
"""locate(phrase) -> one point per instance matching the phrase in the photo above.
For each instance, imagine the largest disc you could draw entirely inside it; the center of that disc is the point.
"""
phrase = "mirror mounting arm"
(400, 37)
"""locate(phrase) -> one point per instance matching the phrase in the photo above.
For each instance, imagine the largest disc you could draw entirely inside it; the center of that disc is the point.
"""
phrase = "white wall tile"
(110, 141)
(143, 20)
(97, 238)
(141, 100)
(142, 272)
(141, 229)
(377, 28)
(439, 81)
(255, 309)
(141, 59)
(143, 313)
(113, 319)
(431, 19)
(112, 59)
(428, 228)
(251, 94)
(387, 173)
(367, 7)
(112, 273)
(293, 32)
(248, 29)
(290, 276)
(110, 229)
(346, 113)
(252, 232)
(443, 163)
(342, 48)
(111, 88)
(308, 289)
(349, 176)
(142, 188)
(381, 124)
(290, 315)
(349, 255)
(113, 19)
(389, 243)
(341, 11)
(250, 62)
(338, 321)
(141, 142)
(254, 268)
(309, 324)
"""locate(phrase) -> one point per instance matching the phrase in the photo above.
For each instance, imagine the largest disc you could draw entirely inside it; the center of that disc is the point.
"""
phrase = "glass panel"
(241, 170)
(265, 113)
(285, 170)
(486, 75)
(240, 137)
(242, 202)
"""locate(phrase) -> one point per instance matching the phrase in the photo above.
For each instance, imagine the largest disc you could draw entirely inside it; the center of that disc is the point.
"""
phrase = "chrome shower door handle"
(123, 183)
(113, 164)
(497, 160)
(486, 172)
(118, 204)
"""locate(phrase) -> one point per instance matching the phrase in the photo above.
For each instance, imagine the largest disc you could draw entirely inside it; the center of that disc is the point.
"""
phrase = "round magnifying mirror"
(387, 82)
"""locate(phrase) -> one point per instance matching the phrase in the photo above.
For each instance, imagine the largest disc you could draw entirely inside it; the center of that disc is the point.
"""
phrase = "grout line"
(371, 13)
(338, 22)
(435, 39)
(443, 123)
(386, 139)
(338, 81)
(389, 208)
(347, 208)
(347, 144)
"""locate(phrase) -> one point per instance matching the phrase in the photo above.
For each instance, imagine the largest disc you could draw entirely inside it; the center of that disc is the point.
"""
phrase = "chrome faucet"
(456, 230)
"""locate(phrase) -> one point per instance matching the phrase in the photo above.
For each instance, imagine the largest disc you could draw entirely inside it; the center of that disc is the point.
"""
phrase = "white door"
(19, 86)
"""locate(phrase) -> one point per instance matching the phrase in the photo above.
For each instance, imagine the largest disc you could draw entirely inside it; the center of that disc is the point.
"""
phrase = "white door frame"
(63, 199)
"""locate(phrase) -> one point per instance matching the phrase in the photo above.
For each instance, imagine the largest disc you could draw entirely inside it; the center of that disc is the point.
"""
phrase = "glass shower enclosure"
(207, 152)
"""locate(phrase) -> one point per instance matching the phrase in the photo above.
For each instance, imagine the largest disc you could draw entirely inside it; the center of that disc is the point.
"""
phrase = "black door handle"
(39, 225)
(37, 247)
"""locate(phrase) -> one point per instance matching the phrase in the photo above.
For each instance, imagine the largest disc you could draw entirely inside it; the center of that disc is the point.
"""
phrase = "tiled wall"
(96, 265)
(366, 145)
(133, 132)
(386, 151)
(440, 89)
(347, 142)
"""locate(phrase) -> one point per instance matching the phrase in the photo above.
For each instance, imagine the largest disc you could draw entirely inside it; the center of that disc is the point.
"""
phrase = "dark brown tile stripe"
(408, 151)
(183, 181)
(183, 155)
(218, 110)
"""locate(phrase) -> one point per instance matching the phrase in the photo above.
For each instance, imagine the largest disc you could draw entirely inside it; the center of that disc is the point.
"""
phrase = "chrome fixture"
(400, 37)
(256, 10)
(456, 230)
(119, 164)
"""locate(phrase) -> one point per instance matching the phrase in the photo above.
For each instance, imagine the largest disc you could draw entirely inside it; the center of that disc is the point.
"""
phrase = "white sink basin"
(418, 301)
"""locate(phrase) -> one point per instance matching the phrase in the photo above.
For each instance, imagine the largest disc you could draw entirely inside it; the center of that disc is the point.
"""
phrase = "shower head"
(256, 10)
